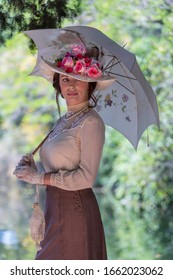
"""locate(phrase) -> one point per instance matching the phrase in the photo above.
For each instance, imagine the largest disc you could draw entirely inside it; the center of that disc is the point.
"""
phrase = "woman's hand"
(26, 170)
(27, 160)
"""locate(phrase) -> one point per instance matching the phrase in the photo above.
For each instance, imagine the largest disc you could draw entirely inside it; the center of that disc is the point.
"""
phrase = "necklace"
(72, 114)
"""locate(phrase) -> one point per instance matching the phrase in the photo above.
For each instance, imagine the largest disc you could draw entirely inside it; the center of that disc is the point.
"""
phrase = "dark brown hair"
(56, 85)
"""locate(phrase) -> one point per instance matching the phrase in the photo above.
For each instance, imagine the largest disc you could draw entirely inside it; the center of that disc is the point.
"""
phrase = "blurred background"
(134, 188)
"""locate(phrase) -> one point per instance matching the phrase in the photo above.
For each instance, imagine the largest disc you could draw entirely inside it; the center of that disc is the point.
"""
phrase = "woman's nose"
(72, 83)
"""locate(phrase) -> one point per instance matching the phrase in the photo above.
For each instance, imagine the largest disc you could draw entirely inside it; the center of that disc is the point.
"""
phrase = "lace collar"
(71, 119)
(75, 109)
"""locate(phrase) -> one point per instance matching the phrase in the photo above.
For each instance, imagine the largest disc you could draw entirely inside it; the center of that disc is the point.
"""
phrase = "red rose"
(69, 69)
(79, 56)
(87, 61)
(59, 63)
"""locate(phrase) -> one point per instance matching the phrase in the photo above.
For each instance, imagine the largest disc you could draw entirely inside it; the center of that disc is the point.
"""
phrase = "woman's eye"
(65, 79)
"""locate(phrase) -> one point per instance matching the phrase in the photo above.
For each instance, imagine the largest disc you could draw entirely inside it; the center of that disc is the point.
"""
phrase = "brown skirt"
(74, 229)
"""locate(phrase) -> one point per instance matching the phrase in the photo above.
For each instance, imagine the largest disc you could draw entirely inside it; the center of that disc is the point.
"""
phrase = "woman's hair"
(56, 85)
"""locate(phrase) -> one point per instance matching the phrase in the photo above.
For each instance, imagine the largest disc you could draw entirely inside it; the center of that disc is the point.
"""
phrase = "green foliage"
(17, 15)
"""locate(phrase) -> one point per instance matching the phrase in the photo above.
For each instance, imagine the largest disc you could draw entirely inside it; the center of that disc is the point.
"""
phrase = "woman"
(71, 157)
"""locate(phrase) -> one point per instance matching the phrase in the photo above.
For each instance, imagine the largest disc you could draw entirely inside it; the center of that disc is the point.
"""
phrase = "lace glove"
(27, 171)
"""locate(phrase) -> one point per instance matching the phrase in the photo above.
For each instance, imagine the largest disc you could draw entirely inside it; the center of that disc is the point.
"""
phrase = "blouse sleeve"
(92, 140)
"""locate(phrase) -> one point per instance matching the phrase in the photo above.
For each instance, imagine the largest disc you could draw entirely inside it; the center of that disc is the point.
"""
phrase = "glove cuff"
(40, 179)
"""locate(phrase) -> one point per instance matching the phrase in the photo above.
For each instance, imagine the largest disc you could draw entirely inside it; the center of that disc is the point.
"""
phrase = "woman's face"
(74, 91)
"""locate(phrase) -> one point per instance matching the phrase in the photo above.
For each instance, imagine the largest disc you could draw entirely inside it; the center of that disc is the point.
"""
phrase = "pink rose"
(79, 67)
(94, 71)
(76, 49)
(67, 62)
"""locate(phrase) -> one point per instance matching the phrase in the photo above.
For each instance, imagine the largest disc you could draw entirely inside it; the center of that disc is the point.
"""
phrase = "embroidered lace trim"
(66, 122)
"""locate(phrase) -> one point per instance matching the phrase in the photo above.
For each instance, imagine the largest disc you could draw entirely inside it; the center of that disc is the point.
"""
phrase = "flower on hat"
(67, 62)
(94, 71)
(78, 62)
(79, 67)
(78, 49)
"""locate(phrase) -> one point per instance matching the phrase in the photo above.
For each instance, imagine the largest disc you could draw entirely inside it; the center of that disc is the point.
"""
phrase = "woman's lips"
(72, 93)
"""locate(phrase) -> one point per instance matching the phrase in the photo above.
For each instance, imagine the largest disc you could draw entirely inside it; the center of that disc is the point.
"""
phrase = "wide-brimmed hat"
(125, 100)
(79, 62)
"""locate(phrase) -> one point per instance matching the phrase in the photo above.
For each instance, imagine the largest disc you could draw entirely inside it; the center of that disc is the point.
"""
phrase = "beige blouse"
(73, 150)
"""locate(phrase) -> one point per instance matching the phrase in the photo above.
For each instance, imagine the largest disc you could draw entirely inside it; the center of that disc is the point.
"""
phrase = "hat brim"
(48, 69)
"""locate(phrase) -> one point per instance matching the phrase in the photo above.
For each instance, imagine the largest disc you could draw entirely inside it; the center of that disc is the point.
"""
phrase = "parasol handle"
(41, 143)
